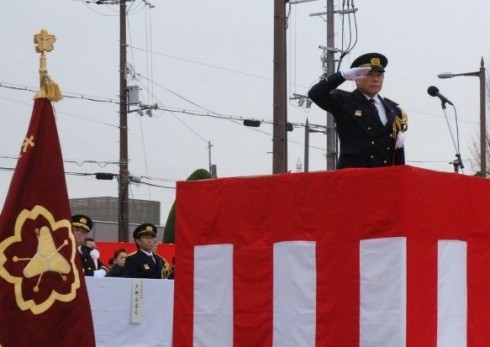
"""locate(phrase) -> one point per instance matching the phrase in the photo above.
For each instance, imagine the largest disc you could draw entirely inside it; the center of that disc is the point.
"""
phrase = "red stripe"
(184, 295)
(252, 299)
(338, 293)
(421, 292)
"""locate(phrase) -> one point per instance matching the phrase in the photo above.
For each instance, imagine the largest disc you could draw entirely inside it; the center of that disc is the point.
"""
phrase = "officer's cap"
(376, 61)
(82, 221)
(144, 229)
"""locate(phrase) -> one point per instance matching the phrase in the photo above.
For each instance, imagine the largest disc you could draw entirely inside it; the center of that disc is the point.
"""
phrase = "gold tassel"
(49, 90)
(53, 91)
(400, 123)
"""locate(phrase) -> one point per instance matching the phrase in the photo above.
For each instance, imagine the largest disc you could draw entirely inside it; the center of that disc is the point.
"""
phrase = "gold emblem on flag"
(48, 262)
(28, 142)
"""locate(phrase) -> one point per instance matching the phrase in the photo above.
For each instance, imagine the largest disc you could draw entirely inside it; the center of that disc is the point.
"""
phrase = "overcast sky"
(216, 57)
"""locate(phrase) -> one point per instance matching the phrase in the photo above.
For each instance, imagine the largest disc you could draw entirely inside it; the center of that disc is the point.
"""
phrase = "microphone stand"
(458, 162)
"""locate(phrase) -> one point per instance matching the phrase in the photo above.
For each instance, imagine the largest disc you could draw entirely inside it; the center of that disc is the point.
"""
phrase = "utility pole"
(307, 146)
(213, 170)
(279, 134)
(331, 131)
(483, 119)
(308, 130)
(123, 129)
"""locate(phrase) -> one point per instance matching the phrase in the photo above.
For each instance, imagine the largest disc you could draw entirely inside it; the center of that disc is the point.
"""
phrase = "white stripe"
(294, 322)
(213, 296)
(383, 310)
(451, 294)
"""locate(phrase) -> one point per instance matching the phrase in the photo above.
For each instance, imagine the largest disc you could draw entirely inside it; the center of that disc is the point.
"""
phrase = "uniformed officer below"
(371, 129)
(91, 264)
(143, 263)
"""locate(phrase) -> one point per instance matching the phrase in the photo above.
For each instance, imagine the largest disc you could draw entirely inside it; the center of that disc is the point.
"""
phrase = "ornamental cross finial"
(48, 88)
(44, 41)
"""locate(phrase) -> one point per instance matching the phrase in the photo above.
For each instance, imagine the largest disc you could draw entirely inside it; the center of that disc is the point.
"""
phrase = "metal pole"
(279, 135)
(307, 146)
(483, 121)
(123, 129)
(331, 132)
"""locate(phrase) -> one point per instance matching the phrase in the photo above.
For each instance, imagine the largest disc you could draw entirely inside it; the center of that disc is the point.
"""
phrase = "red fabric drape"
(337, 210)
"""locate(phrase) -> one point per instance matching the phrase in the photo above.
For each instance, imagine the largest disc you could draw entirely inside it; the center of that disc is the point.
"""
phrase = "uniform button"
(388, 148)
(372, 157)
(372, 142)
(369, 128)
(385, 162)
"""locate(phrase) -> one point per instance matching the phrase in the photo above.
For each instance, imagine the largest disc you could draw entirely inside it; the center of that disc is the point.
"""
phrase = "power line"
(94, 174)
(77, 162)
(190, 112)
(214, 114)
(66, 95)
(205, 64)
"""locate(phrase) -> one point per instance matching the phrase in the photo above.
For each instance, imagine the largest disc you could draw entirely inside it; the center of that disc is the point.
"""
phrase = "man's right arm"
(320, 93)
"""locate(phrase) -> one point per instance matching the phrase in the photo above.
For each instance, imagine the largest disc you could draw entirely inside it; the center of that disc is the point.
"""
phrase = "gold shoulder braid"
(166, 270)
(400, 123)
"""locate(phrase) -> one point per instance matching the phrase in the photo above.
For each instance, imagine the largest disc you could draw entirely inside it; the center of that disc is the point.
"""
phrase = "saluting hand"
(355, 73)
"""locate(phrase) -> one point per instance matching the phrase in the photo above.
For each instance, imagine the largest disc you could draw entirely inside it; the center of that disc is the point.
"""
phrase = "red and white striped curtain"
(361, 257)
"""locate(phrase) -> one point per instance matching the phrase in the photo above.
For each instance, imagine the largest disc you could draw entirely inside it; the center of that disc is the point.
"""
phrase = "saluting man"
(371, 128)
(91, 264)
(143, 263)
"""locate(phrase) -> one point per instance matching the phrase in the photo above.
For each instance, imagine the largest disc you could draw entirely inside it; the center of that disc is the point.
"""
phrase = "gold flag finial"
(48, 88)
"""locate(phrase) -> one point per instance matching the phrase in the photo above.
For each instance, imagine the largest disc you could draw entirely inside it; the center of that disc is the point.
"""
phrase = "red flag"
(43, 297)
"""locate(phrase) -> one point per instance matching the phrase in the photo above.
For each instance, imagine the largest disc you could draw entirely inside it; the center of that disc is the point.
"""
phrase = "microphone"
(434, 91)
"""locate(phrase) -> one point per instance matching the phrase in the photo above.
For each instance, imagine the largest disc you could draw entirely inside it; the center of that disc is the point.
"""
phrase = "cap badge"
(375, 61)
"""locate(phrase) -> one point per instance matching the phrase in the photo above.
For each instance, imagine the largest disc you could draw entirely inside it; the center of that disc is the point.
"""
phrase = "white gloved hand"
(355, 73)
(95, 254)
(400, 139)
(100, 273)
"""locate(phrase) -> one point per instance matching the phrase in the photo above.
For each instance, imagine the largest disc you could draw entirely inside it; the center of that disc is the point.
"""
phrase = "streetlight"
(483, 123)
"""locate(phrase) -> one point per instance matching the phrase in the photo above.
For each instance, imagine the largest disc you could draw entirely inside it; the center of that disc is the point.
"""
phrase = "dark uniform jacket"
(364, 140)
(116, 271)
(88, 263)
(141, 265)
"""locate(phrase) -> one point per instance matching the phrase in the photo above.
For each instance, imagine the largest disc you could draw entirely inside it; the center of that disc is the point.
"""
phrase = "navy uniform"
(364, 140)
(88, 263)
(144, 264)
